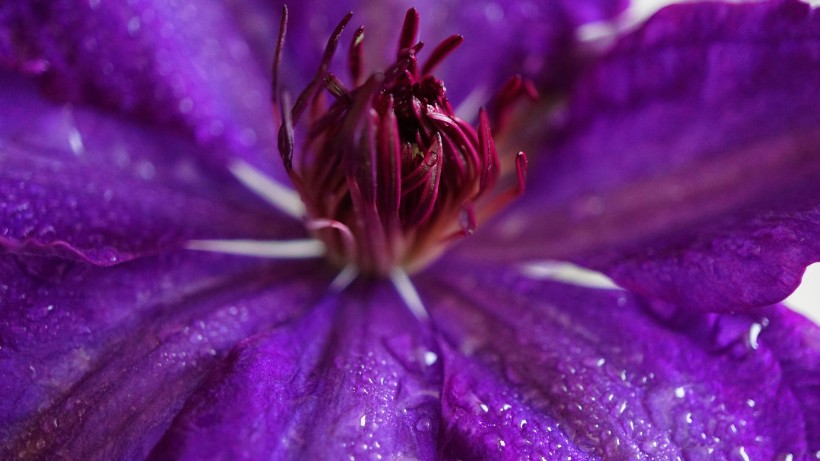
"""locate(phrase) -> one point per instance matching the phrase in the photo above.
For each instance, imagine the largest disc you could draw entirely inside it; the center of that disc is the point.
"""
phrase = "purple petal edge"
(687, 167)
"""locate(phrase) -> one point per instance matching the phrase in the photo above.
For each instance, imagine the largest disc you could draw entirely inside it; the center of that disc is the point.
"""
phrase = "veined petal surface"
(687, 163)
(97, 361)
(76, 183)
(535, 368)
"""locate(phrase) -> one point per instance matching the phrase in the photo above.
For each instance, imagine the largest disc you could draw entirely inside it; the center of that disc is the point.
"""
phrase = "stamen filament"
(355, 56)
(277, 57)
(285, 249)
(347, 236)
(345, 277)
(408, 293)
(409, 30)
(281, 197)
(567, 272)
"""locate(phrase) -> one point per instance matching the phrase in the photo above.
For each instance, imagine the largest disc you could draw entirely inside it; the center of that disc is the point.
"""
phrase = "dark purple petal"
(795, 341)
(536, 39)
(97, 361)
(501, 38)
(533, 368)
(179, 63)
(353, 379)
(76, 184)
(687, 167)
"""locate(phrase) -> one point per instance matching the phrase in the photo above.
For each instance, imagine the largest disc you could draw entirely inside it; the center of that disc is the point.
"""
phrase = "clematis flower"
(681, 161)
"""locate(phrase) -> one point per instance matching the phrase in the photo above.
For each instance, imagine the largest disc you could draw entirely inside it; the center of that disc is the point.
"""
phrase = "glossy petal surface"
(77, 184)
(239, 361)
(348, 380)
(533, 368)
(684, 165)
(163, 61)
(687, 167)
(98, 360)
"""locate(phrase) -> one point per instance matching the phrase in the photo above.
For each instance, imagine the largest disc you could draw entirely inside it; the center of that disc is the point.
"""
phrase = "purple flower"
(681, 161)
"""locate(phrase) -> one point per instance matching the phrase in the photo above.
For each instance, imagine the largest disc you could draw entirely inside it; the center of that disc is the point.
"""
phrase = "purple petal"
(687, 166)
(169, 62)
(502, 38)
(78, 185)
(537, 369)
(536, 39)
(97, 361)
(351, 379)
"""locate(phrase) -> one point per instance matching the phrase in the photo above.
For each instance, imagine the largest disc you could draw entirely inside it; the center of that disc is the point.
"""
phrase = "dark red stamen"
(409, 30)
(388, 173)
(513, 90)
(354, 56)
(277, 56)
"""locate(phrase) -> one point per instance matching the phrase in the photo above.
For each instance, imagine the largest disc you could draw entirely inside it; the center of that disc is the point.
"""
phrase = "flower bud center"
(388, 173)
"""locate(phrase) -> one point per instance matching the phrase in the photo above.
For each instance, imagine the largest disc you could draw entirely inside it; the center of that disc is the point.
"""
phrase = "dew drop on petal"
(424, 425)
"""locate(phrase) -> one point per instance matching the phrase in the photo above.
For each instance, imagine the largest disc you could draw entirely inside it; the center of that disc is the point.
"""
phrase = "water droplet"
(47, 233)
(423, 425)
(186, 105)
(247, 137)
(650, 446)
(740, 454)
(108, 254)
(196, 338)
(134, 25)
(754, 332)
(146, 170)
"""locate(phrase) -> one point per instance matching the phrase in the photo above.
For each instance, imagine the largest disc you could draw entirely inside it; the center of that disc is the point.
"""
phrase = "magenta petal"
(79, 185)
(165, 61)
(542, 369)
(353, 378)
(97, 361)
(687, 167)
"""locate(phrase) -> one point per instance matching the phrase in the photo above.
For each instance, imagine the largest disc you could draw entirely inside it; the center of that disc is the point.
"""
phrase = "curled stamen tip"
(388, 164)
(358, 36)
(521, 163)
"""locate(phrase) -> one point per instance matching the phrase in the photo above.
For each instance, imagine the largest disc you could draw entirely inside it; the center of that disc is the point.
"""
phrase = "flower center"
(388, 173)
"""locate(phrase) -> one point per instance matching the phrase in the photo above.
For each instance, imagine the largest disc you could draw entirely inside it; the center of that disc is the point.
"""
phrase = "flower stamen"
(280, 196)
(281, 249)
(388, 173)
(408, 293)
(344, 278)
